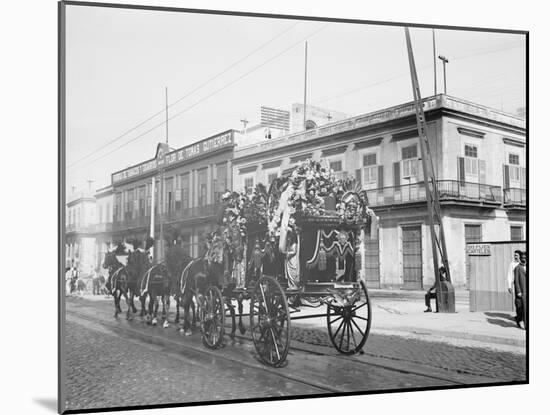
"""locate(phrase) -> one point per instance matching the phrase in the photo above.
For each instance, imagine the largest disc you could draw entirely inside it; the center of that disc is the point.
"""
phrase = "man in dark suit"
(431, 293)
(520, 276)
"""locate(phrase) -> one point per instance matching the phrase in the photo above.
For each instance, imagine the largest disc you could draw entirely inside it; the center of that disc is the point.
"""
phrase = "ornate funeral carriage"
(303, 247)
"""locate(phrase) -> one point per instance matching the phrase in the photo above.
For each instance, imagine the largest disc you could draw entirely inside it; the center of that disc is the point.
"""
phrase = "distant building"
(277, 123)
(480, 161)
(80, 216)
(315, 117)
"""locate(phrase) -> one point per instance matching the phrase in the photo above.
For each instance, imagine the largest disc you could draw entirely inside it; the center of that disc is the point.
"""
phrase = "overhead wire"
(208, 96)
(263, 45)
(349, 92)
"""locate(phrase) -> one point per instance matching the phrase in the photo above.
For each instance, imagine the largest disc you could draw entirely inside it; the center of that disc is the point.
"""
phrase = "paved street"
(115, 362)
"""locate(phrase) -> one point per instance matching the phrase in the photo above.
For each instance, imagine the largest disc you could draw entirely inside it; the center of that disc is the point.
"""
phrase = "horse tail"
(185, 277)
(145, 279)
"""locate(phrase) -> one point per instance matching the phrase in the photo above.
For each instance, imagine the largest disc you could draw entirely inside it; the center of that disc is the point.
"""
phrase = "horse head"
(110, 260)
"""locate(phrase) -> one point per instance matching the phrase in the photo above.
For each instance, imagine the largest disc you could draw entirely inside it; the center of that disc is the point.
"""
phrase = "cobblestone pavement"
(108, 367)
(502, 366)
(104, 370)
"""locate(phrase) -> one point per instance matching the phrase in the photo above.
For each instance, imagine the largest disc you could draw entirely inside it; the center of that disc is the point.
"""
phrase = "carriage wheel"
(270, 321)
(349, 323)
(212, 318)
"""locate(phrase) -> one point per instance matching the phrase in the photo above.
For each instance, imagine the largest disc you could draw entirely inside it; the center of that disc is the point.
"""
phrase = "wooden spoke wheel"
(349, 319)
(270, 321)
(212, 312)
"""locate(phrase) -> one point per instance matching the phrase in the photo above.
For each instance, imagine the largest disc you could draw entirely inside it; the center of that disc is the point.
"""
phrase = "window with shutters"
(370, 171)
(471, 163)
(271, 177)
(249, 183)
(184, 183)
(409, 157)
(142, 195)
(129, 204)
(336, 165)
(220, 184)
(472, 233)
(514, 170)
(169, 195)
(201, 184)
(516, 233)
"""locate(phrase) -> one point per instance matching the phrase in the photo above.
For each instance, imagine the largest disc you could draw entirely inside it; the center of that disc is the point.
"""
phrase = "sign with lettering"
(478, 249)
(166, 159)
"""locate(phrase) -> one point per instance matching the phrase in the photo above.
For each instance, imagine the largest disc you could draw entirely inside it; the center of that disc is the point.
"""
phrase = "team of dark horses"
(155, 284)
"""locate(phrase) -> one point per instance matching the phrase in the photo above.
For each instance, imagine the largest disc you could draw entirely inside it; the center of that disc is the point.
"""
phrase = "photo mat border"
(62, 195)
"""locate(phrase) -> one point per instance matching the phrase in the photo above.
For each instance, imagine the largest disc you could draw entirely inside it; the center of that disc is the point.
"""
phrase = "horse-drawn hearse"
(279, 253)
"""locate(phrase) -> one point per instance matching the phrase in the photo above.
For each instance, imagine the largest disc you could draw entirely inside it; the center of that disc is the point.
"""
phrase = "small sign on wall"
(478, 249)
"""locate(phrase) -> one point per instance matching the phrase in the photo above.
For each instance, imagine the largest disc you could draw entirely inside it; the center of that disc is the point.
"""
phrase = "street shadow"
(501, 319)
(501, 323)
(48, 403)
(504, 316)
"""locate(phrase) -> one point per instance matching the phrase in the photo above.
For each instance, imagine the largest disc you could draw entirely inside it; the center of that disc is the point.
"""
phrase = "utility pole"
(435, 61)
(445, 61)
(305, 87)
(161, 195)
(166, 111)
(439, 248)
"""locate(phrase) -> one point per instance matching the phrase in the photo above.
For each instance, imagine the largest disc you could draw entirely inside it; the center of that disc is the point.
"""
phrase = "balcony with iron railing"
(176, 215)
(515, 197)
(448, 190)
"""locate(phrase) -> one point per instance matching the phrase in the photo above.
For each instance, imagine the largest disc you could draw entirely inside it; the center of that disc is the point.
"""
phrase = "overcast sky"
(120, 61)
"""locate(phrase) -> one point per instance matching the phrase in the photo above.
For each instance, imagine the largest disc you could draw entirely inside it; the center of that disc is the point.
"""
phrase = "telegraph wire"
(208, 96)
(185, 96)
(480, 52)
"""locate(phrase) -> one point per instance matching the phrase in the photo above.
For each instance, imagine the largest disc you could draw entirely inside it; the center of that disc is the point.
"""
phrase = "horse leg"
(129, 311)
(242, 328)
(165, 309)
(115, 298)
(194, 321)
(142, 299)
(132, 296)
(186, 303)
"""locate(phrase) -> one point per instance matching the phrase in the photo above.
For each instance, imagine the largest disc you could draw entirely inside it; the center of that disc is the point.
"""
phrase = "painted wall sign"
(186, 153)
(478, 249)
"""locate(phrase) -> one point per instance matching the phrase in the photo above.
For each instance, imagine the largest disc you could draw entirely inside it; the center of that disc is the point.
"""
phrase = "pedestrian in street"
(520, 289)
(74, 279)
(95, 282)
(431, 293)
(511, 267)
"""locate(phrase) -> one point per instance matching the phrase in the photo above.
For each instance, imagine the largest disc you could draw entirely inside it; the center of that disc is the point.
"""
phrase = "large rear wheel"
(212, 318)
(270, 321)
(349, 319)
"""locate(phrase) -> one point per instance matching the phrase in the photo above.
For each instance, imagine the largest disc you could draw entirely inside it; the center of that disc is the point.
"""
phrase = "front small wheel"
(212, 318)
(270, 321)
(349, 319)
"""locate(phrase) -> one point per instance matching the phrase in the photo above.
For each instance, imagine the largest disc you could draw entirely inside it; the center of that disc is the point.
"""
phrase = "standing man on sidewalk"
(431, 293)
(520, 275)
(511, 267)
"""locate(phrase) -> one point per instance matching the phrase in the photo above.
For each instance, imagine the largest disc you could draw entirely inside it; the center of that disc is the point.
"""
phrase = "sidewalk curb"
(400, 331)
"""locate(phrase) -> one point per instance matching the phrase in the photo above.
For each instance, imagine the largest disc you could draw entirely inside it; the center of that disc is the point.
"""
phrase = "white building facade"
(479, 156)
